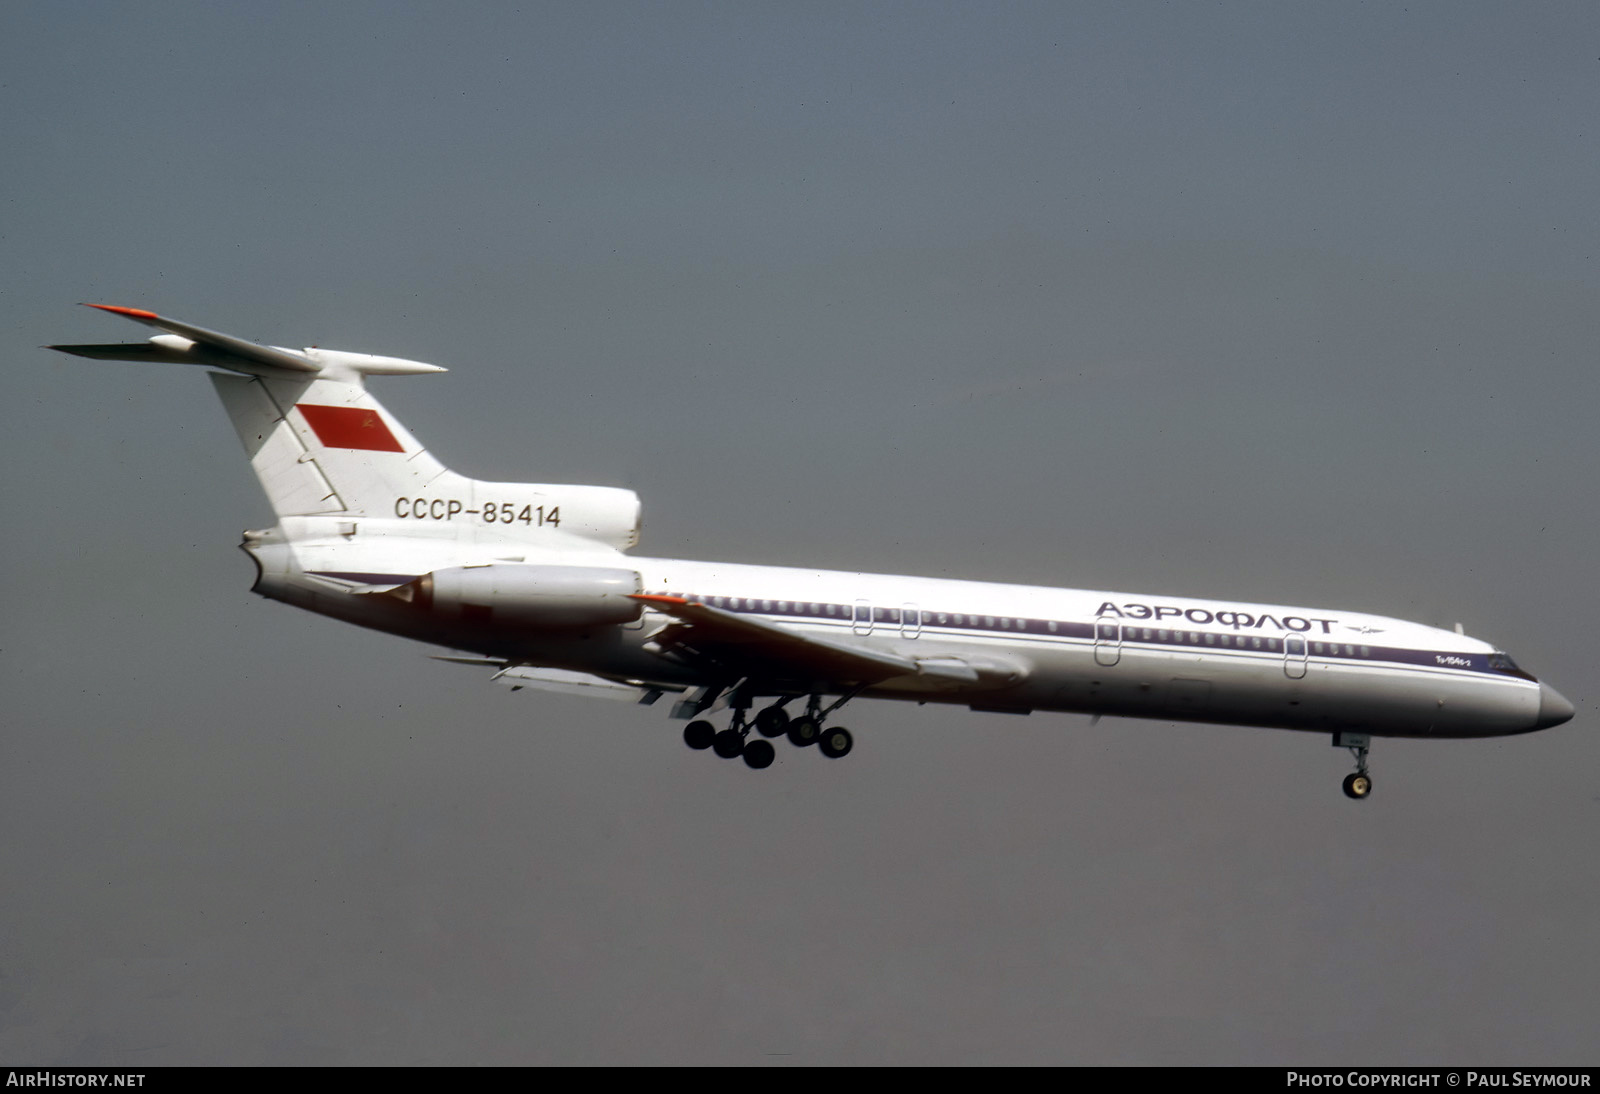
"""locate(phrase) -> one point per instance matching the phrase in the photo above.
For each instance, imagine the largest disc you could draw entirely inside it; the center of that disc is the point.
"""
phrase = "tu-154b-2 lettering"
(535, 581)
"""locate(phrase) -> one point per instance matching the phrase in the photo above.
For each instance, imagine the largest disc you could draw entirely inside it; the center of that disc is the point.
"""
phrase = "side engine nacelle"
(515, 595)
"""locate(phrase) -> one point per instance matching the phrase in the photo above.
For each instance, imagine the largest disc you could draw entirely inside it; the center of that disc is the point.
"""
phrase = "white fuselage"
(1040, 648)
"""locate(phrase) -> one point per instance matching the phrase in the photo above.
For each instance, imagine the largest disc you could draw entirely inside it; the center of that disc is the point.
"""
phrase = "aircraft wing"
(749, 646)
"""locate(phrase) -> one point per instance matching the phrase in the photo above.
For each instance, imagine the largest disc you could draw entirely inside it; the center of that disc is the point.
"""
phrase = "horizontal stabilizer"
(222, 346)
(184, 343)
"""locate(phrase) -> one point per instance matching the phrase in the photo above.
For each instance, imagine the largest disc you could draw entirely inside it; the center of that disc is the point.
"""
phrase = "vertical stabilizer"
(325, 446)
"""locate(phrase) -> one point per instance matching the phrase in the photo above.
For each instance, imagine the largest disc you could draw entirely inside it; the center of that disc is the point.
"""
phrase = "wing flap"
(762, 647)
(724, 635)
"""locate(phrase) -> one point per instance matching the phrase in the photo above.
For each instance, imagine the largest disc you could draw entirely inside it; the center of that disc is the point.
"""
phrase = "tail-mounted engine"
(512, 595)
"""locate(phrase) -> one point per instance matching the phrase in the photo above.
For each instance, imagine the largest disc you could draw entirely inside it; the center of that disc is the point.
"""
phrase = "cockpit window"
(1501, 661)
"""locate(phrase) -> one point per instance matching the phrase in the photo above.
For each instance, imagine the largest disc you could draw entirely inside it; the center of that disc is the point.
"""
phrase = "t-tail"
(339, 468)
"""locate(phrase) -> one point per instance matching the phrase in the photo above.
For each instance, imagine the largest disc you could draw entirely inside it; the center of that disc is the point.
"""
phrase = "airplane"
(535, 581)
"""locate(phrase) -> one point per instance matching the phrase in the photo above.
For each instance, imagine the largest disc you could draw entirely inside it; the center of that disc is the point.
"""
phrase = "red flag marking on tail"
(350, 427)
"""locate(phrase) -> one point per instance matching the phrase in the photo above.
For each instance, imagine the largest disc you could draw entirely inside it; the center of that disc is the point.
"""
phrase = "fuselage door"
(1294, 657)
(861, 618)
(910, 621)
(1107, 642)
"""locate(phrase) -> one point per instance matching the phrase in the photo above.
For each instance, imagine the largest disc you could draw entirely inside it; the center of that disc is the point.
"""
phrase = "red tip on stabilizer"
(660, 599)
(131, 313)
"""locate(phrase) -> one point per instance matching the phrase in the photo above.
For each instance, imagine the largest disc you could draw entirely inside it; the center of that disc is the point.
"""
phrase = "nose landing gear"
(1358, 785)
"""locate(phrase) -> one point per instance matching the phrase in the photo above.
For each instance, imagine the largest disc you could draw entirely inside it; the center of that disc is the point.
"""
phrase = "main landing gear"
(1359, 784)
(731, 742)
(803, 731)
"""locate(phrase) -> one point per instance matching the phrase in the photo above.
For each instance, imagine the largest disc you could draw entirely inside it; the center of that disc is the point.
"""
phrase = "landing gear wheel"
(728, 744)
(836, 741)
(804, 731)
(759, 754)
(1358, 785)
(698, 735)
(771, 722)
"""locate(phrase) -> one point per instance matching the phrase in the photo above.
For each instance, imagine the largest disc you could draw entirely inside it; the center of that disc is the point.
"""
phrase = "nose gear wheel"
(1357, 786)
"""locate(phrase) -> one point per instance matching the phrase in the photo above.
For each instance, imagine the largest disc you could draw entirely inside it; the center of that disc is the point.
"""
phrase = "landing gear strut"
(730, 742)
(1358, 785)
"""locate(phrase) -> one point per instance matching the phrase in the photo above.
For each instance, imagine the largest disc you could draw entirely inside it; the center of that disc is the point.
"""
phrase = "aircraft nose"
(1553, 708)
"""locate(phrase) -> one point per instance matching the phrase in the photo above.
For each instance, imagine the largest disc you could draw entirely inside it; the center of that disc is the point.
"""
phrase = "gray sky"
(1275, 302)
